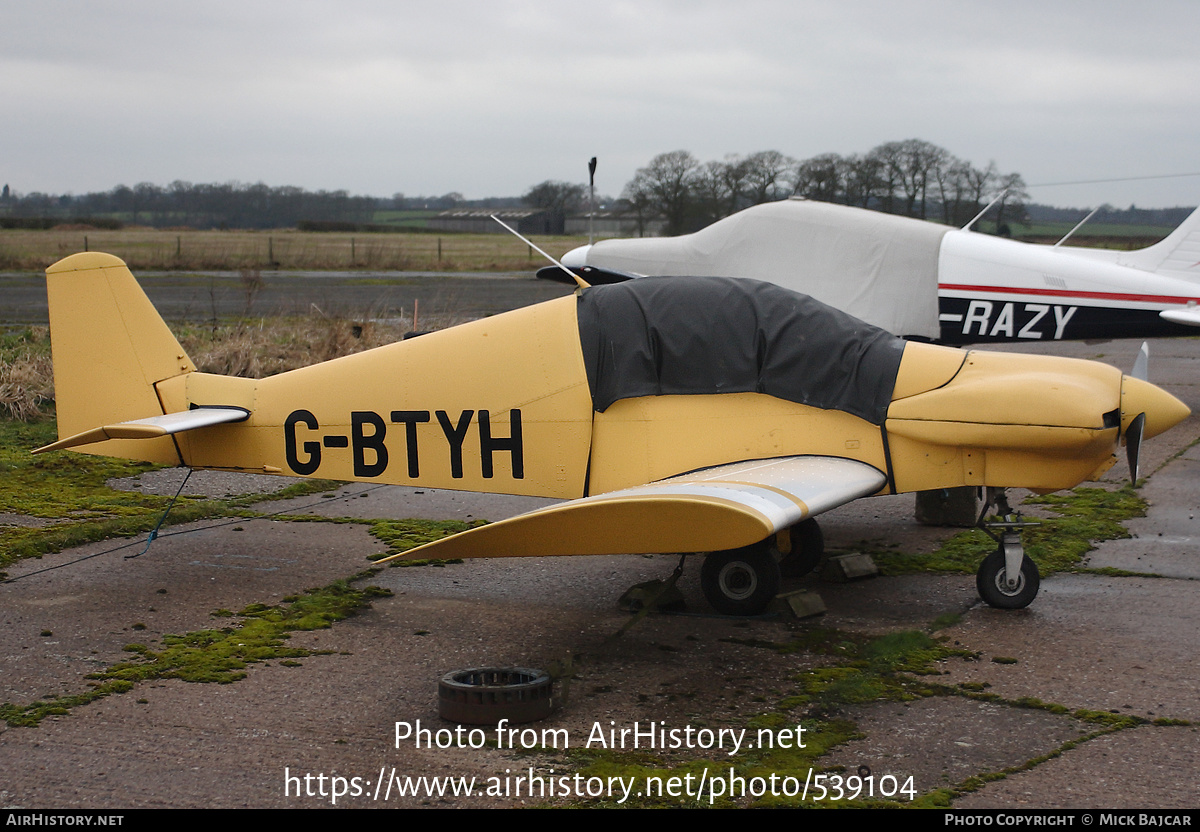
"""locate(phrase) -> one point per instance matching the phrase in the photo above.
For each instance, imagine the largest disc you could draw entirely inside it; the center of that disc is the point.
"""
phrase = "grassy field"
(1097, 235)
(151, 249)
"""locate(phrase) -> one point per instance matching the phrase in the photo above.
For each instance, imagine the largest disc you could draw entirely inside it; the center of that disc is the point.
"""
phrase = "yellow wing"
(717, 508)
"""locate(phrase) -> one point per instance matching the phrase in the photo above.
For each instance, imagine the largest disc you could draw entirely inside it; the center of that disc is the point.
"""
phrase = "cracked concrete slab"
(1140, 768)
(942, 741)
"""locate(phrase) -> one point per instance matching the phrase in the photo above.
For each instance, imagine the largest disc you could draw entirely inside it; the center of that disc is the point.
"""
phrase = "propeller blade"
(1133, 443)
(1141, 364)
(1133, 434)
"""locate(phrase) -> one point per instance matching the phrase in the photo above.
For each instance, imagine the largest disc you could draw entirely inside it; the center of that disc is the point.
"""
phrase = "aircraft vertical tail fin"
(110, 348)
(1178, 255)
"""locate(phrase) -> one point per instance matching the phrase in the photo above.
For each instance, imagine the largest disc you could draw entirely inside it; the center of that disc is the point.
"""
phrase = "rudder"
(110, 348)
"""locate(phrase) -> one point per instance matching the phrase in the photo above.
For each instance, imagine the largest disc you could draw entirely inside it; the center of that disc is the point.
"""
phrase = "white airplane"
(927, 281)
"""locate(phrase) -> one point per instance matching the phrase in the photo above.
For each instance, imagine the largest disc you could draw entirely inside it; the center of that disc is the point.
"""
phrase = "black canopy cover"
(658, 336)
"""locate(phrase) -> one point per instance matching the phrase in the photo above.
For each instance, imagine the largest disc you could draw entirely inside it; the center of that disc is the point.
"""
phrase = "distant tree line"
(911, 177)
(227, 205)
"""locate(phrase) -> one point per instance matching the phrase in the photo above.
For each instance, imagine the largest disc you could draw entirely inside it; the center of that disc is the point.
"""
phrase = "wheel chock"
(803, 603)
(852, 567)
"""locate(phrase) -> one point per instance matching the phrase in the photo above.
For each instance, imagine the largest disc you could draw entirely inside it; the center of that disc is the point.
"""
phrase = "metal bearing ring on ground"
(486, 695)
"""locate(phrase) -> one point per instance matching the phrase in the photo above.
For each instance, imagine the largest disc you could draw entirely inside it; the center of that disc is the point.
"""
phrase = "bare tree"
(768, 176)
(667, 180)
(908, 167)
(1012, 206)
(711, 186)
(948, 178)
(555, 197)
(887, 169)
(735, 170)
(864, 180)
(980, 182)
(822, 178)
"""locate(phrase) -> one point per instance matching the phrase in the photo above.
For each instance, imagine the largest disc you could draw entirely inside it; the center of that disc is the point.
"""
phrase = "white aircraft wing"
(1189, 315)
(708, 510)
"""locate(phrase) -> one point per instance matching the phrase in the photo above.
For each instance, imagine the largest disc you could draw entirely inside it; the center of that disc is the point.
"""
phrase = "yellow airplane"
(703, 415)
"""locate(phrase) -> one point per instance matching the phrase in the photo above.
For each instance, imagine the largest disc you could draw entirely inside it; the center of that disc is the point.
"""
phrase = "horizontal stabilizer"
(716, 508)
(201, 417)
(1189, 315)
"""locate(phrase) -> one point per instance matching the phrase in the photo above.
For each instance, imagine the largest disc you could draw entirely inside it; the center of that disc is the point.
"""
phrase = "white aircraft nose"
(576, 257)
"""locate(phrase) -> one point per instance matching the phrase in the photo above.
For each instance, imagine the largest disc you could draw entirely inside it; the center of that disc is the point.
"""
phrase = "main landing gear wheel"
(994, 587)
(808, 547)
(740, 581)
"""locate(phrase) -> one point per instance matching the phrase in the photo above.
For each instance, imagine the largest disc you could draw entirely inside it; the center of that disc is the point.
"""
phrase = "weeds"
(217, 655)
(1086, 515)
(68, 491)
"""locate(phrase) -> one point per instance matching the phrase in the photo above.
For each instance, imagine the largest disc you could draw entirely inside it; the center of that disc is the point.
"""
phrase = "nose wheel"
(1003, 587)
(1007, 579)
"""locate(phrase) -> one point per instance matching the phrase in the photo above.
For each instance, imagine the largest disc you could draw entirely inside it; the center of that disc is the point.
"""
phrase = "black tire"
(740, 581)
(990, 581)
(808, 547)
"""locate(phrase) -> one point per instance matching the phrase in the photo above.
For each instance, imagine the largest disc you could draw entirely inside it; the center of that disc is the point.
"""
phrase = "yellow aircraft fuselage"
(503, 405)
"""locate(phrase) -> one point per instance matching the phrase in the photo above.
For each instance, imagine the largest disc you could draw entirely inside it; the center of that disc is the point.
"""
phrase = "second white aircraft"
(928, 281)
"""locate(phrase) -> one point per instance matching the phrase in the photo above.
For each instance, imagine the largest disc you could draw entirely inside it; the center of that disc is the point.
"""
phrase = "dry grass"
(161, 250)
(276, 345)
(26, 380)
(247, 349)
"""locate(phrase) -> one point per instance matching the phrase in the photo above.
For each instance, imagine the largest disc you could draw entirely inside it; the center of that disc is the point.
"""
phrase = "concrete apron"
(1126, 645)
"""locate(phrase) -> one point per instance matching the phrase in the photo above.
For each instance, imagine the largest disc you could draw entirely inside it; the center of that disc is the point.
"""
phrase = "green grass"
(70, 488)
(216, 655)
(402, 535)
(1092, 230)
(1086, 516)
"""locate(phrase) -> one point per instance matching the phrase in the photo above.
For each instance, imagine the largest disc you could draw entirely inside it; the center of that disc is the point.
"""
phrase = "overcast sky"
(489, 98)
